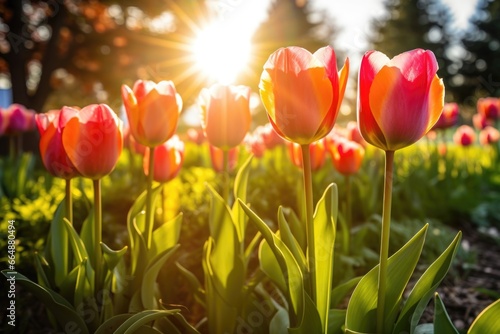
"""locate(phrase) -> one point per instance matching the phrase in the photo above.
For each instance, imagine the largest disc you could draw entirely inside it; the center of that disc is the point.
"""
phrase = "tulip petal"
(159, 114)
(399, 106)
(436, 101)
(415, 63)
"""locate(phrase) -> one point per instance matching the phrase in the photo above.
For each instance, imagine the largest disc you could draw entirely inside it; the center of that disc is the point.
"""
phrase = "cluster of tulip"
(15, 120)
(399, 101)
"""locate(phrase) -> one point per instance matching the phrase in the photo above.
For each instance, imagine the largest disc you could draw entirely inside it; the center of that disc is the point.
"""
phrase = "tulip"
(489, 107)
(400, 99)
(17, 119)
(54, 157)
(354, 135)
(196, 136)
(347, 156)
(168, 159)
(152, 111)
(92, 139)
(255, 145)
(464, 135)
(217, 158)
(480, 121)
(489, 135)
(302, 92)
(449, 116)
(225, 114)
(270, 137)
(317, 152)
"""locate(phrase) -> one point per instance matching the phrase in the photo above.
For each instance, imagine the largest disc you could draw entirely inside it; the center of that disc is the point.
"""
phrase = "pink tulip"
(464, 135)
(399, 99)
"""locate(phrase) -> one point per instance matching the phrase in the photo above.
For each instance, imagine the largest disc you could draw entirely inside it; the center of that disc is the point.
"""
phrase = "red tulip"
(51, 126)
(353, 133)
(168, 159)
(449, 117)
(152, 111)
(489, 135)
(225, 114)
(302, 92)
(16, 119)
(464, 135)
(195, 135)
(399, 99)
(92, 138)
(217, 158)
(270, 137)
(489, 107)
(317, 152)
(347, 156)
(255, 145)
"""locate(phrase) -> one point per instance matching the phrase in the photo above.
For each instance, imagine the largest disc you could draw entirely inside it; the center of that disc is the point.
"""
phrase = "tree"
(412, 24)
(480, 68)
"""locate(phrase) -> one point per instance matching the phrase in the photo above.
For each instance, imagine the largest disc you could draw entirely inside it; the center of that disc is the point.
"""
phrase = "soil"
(474, 282)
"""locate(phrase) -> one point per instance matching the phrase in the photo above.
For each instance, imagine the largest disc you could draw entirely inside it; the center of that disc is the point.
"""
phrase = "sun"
(221, 52)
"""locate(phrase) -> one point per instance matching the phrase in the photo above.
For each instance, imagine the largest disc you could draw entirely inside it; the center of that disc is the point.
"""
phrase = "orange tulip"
(302, 92)
(489, 135)
(317, 152)
(217, 158)
(92, 138)
(489, 107)
(168, 159)
(225, 114)
(399, 99)
(54, 157)
(464, 135)
(152, 111)
(347, 156)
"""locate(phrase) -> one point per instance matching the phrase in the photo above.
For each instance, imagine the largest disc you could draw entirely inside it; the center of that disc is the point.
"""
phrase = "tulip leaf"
(310, 320)
(67, 287)
(487, 321)
(59, 238)
(289, 240)
(324, 220)
(424, 289)
(240, 191)
(132, 324)
(87, 234)
(336, 320)
(297, 227)
(112, 324)
(166, 236)
(270, 266)
(56, 304)
(77, 245)
(294, 280)
(194, 285)
(139, 206)
(249, 251)
(112, 257)
(149, 281)
(442, 321)
(43, 272)
(341, 291)
(361, 312)
(280, 322)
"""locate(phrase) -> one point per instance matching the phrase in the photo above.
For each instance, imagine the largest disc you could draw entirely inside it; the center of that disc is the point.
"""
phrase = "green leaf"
(425, 329)
(166, 236)
(362, 309)
(66, 315)
(297, 227)
(311, 321)
(424, 289)
(280, 322)
(336, 320)
(271, 267)
(139, 207)
(194, 285)
(149, 281)
(226, 253)
(487, 321)
(289, 240)
(59, 238)
(240, 191)
(87, 234)
(44, 274)
(249, 251)
(294, 280)
(442, 321)
(112, 257)
(142, 318)
(77, 245)
(341, 290)
(325, 216)
(112, 324)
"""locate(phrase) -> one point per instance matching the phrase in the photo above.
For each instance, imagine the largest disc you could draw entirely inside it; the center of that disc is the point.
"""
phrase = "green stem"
(348, 214)
(225, 175)
(12, 147)
(69, 202)
(163, 204)
(384, 241)
(311, 266)
(97, 237)
(149, 204)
